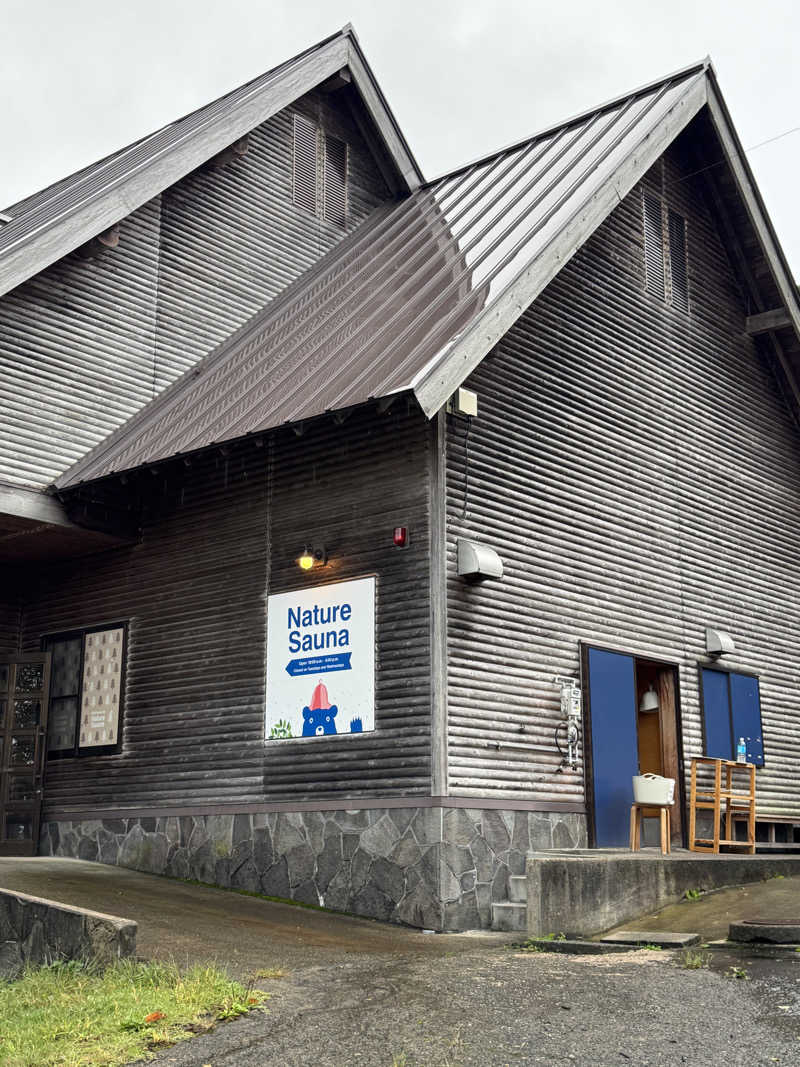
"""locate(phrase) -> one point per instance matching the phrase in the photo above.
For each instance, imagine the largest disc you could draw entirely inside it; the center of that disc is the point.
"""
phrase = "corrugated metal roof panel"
(391, 302)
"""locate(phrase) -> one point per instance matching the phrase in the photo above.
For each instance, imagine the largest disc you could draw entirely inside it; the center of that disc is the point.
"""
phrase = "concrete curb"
(35, 931)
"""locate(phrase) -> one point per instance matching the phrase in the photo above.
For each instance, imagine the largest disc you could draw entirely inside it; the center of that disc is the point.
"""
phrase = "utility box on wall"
(478, 561)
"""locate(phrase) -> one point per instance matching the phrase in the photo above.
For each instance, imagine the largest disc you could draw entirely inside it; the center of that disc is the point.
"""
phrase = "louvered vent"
(335, 190)
(305, 163)
(653, 245)
(677, 261)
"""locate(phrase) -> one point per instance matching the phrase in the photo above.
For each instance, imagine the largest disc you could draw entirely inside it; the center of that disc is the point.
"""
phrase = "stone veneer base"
(435, 868)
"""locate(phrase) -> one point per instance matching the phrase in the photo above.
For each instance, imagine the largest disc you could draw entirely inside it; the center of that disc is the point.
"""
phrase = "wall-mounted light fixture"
(311, 557)
(400, 537)
(649, 701)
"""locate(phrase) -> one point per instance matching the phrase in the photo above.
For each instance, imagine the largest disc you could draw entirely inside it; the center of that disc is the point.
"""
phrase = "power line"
(719, 162)
(777, 137)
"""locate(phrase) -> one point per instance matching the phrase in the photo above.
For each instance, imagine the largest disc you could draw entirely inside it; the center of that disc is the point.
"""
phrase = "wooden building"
(333, 501)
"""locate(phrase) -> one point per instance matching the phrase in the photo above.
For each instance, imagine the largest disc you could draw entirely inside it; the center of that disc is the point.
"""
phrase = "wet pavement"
(362, 993)
(197, 924)
(777, 899)
(769, 976)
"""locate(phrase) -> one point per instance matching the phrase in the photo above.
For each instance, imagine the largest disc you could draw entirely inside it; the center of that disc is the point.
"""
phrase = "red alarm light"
(400, 536)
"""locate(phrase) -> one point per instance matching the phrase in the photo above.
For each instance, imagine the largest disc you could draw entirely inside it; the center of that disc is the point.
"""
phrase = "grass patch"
(691, 960)
(692, 894)
(74, 1016)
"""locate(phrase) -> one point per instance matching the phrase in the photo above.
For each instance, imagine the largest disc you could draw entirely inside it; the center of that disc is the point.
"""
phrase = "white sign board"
(321, 660)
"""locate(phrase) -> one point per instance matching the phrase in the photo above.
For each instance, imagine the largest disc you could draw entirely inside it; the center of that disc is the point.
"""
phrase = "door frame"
(588, 773)
(39, 735)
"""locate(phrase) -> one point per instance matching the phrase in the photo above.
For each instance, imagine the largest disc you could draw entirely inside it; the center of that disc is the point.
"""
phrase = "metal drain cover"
(780, 932)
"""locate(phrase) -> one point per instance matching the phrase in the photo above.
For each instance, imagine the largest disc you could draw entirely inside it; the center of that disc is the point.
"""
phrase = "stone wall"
(435, 868)
(482, 848)
(34, 931)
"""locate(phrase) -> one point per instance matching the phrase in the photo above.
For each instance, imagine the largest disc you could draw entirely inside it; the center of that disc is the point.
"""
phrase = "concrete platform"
(586, 892)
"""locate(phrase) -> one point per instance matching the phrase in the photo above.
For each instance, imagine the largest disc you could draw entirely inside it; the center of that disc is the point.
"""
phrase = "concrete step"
(510, 915)
(518, 888)
(662, 938)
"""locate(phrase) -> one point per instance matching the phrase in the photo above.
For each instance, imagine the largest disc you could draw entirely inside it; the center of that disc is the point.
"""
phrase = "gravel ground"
(498, 1006)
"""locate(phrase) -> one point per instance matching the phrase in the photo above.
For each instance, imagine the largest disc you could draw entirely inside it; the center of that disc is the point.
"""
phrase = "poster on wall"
(102, 676)
(321, 661)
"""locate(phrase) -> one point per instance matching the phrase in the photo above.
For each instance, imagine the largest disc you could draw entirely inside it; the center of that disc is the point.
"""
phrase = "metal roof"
(415, 297)
(50, 223)
(386, 308)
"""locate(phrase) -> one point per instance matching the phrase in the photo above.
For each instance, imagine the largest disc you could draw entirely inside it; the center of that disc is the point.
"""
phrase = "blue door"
(615, 744)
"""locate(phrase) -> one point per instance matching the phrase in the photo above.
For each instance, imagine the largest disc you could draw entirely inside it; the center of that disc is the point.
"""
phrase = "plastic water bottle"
(741, 751)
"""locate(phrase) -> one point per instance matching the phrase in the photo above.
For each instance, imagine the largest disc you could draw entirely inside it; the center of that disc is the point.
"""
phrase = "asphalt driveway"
(362, 993)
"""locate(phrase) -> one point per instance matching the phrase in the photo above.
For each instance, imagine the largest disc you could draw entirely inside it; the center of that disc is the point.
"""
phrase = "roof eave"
(756, 210)
(382, 115)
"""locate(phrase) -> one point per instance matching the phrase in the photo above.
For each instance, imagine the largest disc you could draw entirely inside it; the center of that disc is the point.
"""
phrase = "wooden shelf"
(736, 804)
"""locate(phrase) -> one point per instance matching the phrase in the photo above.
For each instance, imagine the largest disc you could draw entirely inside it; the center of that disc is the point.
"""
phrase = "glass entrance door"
(24, 682)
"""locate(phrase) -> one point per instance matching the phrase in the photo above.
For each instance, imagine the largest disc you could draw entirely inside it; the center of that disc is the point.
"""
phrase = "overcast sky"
(80, 78)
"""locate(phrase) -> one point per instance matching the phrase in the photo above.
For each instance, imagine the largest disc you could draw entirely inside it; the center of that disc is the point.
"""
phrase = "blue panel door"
(746, 716)
(716, 715)
(615, 744)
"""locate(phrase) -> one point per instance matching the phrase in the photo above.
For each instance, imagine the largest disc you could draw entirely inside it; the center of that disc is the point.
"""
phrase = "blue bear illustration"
(356, 726)
(319, 721)
(319, 715)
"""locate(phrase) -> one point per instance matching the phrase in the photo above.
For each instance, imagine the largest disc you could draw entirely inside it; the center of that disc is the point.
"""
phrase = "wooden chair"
(737, 803)
(647, 811)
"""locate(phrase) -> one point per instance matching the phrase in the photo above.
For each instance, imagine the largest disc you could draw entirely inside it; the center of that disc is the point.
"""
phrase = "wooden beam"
(34, 505)
(775, 319)
(437, 487)
(339, 80)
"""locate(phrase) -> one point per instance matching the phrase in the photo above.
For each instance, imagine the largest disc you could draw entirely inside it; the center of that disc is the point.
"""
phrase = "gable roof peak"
(49, 224)
(682, 74)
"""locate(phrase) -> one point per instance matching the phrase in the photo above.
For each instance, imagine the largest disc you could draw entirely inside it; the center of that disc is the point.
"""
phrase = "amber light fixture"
(310, 557)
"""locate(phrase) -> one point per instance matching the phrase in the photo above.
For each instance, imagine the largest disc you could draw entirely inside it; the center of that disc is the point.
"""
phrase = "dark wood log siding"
(195, 591)
(88, 341)
(348, 489)
(637, 469)
(10, 614)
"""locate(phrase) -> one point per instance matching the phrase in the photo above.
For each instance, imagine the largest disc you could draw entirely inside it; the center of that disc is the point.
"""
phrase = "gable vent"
(653, 245)
(677, 261)
(305, 164)
(335, 181)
